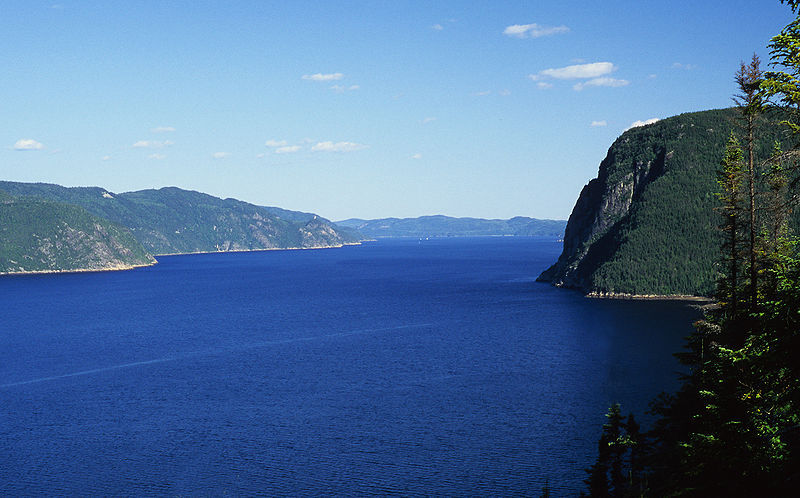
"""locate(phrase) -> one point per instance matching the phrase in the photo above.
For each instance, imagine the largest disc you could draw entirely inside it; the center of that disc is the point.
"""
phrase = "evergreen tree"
(750, 100)
(731, 198)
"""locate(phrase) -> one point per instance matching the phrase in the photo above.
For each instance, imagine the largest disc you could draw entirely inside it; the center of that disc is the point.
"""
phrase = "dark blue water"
(408, 367)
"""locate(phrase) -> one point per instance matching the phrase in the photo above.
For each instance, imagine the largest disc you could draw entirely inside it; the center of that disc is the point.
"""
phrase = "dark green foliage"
(732, 208)
(172, 220)
(445, 226)
(618, 471)
(47, 236)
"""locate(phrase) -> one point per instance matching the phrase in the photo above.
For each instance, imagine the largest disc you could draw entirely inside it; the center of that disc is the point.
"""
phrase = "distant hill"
(445, 226)
(172, 220)
(38, 235)
(647, 224)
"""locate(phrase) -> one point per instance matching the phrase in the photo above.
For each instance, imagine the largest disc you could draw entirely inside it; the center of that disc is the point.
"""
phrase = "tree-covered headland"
(733, 427)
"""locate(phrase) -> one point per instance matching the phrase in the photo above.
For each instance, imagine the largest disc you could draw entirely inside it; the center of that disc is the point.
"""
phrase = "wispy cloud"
(604, 81)
(687, 67)
(437, 27)
(27, 144)
(105, 158)
(639, 123)
(343, 88)
(220, 155)
(152, 144)
(276, 143)
(533, 30)
(323, 77)
(337, 147)
(504, 93)
(163, 129)
(596, 124)
(429, 119)
(287, 149)
(416, 156)
(157, 157)
(482, 94)
(543, 85)
(576, 71)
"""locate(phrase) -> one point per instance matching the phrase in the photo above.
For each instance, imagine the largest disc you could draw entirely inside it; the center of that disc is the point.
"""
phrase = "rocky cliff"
(647, 223)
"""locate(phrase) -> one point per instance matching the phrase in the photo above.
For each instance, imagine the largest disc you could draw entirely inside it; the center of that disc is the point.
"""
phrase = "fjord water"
(400, 366)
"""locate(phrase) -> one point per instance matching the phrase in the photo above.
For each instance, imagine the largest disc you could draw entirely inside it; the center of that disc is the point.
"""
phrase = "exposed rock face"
(319, 233)
(602, 204)
(647, 223)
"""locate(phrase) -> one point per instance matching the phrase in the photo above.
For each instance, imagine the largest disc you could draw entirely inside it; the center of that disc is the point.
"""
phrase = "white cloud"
(28, 144)
(220, 155)
(342, 88)
(163, 129)
(688, 67)
(604, 81)
(504, 93)
(533, 30)
(576, 71)
(288, 149)
(427, 120)
(638, 123)
(157, 157)
(276, 143)
(337, 147)
(323, 77)
(482, 94)
(543, 85)
(152, 144)
(437, 27)
(595, 124)
(105, 158)
(416, 156)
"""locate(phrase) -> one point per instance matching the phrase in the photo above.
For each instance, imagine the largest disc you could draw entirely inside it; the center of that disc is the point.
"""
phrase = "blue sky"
(357, 108)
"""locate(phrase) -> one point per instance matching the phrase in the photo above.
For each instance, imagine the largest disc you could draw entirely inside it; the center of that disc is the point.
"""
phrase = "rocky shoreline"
(155, 262)
(648, 297)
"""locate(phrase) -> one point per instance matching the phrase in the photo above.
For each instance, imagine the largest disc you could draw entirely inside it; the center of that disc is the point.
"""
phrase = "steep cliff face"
(646, 224)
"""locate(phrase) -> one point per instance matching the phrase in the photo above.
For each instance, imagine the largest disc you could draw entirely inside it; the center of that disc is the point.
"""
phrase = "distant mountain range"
(46, 227)
(445, 226)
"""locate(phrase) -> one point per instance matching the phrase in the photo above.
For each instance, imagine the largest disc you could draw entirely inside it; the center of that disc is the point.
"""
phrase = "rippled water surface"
(400, 366)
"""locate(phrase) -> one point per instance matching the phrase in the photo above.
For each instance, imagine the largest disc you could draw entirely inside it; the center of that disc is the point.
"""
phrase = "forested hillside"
(47, 236)
(647, 223)
(173, 220)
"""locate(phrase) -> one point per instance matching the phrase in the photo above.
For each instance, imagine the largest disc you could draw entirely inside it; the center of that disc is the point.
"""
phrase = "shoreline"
(156, 256)
(648, 297)
(78, 270)
(338, 246)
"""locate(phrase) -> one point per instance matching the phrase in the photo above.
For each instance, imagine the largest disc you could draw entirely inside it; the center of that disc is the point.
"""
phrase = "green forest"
(733, 427)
